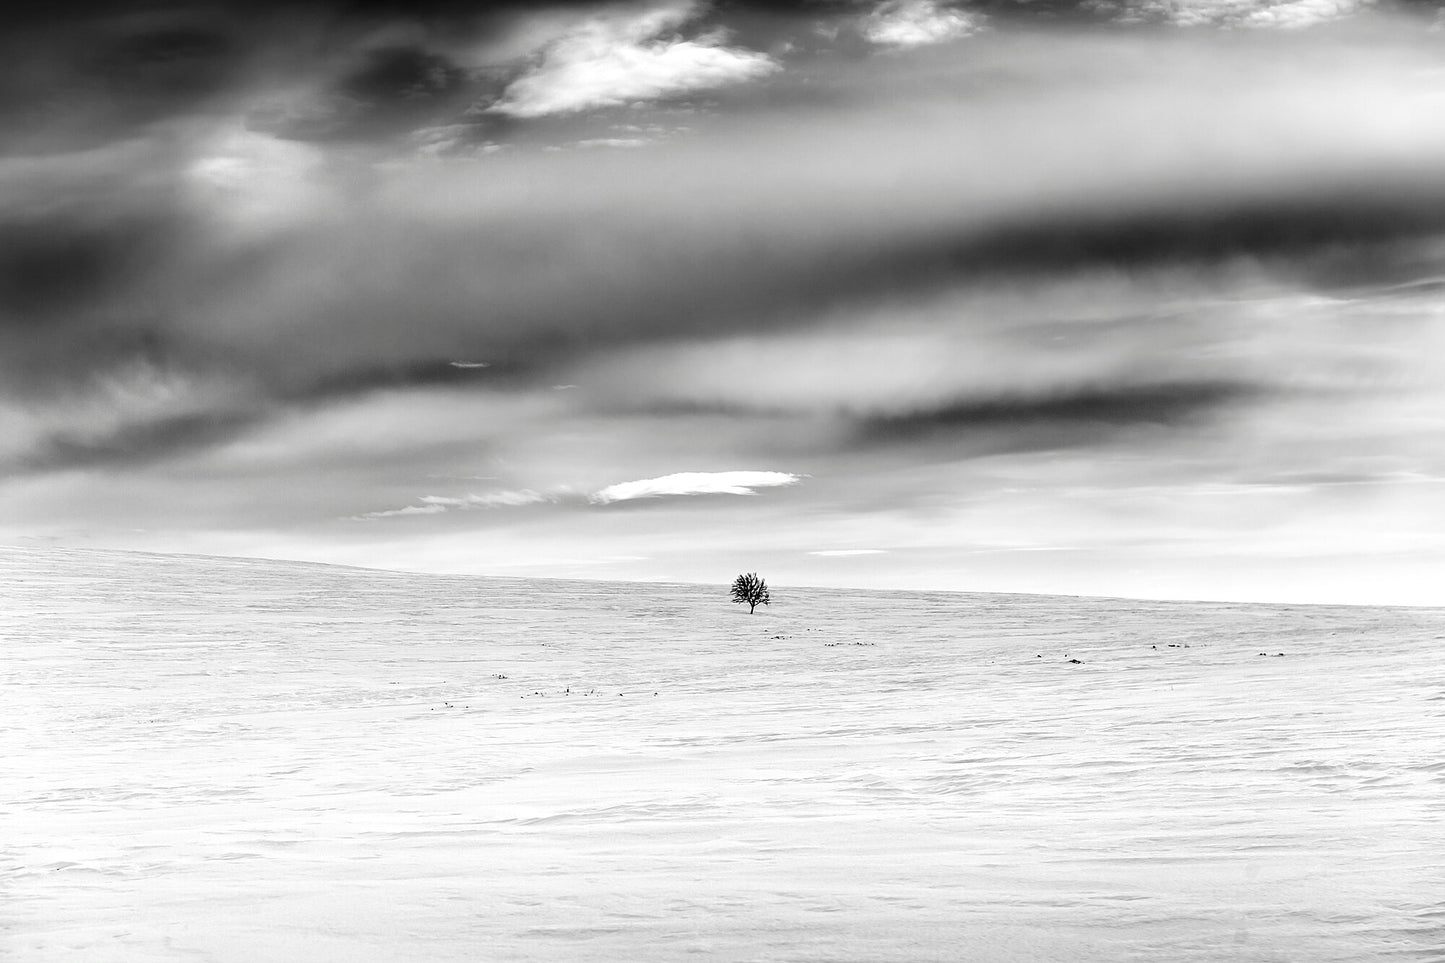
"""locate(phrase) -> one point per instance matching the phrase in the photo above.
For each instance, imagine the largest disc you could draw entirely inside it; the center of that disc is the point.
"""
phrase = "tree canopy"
(750, 590)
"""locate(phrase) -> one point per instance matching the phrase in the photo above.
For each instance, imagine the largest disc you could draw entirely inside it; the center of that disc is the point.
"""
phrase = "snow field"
(226, 760)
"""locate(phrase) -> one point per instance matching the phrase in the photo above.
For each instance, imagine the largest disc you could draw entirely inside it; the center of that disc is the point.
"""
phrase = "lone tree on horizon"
(750, 590)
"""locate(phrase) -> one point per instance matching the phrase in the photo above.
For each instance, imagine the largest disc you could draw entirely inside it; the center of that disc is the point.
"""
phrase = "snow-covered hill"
(245, 761)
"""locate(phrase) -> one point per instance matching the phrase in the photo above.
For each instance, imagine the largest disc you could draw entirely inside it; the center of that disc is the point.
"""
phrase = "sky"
(1118, 297)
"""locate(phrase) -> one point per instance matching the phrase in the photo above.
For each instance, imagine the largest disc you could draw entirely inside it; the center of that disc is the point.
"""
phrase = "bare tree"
(750, 590)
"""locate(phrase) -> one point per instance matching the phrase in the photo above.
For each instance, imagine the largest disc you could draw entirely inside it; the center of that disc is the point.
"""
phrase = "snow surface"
(227, 760)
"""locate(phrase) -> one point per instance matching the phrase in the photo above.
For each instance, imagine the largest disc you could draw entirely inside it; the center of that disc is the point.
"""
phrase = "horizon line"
(412, 573)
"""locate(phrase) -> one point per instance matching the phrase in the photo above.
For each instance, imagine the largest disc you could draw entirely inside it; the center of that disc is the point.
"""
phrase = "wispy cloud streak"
(437, 504)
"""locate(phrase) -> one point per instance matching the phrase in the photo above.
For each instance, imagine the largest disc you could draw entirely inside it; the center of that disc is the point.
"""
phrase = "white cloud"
(694, 483)
(470, 364)
(848, 552)
(1301, 13)
(629, 54)
(437, 504)
(914, 23)
(502, 499)
(1244, 13)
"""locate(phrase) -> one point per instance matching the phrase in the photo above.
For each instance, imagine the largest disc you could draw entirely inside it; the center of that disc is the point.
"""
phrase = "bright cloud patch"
(848, 552)
(624, 56)
(249, 183)
(1244, 13)
(694, 483)
(914, 23)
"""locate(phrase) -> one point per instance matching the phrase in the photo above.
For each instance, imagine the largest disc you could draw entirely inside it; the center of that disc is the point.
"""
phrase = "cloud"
(399, 512)
(993, 356)
(379, 91)
(131, 412)
(247, 186)
(281, 269)
(623, 142)
(619, 56)
(501, 499)
(1067, 419)
(133, 443)
(1100, 257)
(284, 260)
(1288, 14)
(694, 483)
(1118, 162)
(437, 504)
(848, 552)
(85, 75)
(684, 483)
(916, 23)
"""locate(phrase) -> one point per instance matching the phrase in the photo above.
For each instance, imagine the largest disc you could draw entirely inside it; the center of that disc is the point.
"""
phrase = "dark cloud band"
(1066, 419)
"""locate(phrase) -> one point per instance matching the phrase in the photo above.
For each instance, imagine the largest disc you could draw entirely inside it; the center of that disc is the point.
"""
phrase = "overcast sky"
(1126, 297)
